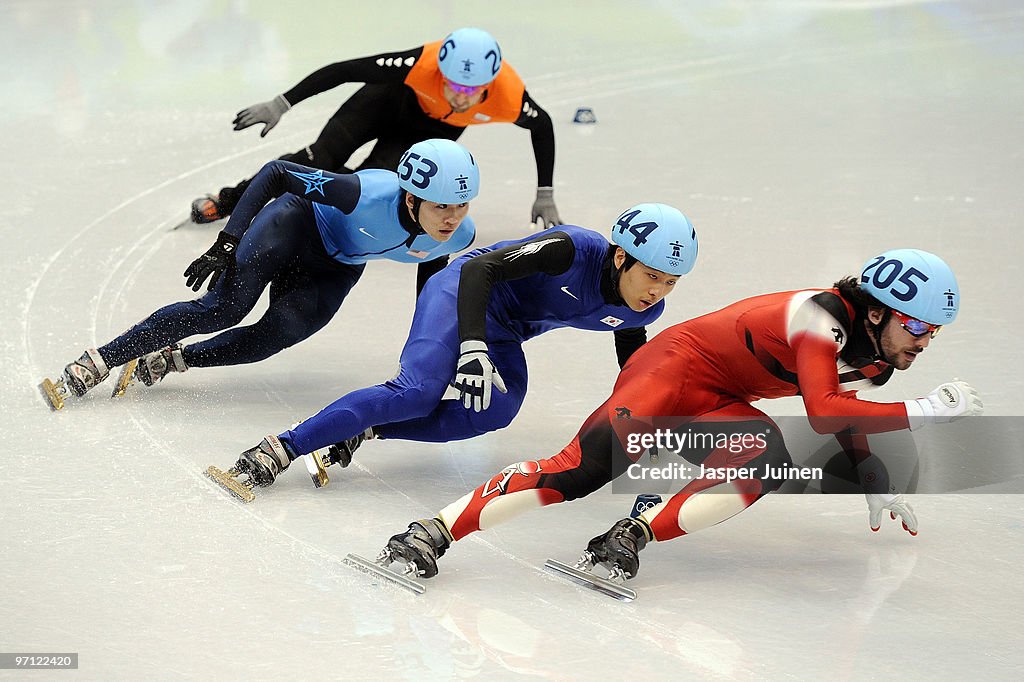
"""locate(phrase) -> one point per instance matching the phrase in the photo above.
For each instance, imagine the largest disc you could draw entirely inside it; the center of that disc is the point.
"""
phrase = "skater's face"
(463, 99)
(641, 286)
(439, 221)
(898, 346)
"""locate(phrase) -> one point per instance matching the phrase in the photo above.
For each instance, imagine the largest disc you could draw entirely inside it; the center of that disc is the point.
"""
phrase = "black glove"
(219, 258)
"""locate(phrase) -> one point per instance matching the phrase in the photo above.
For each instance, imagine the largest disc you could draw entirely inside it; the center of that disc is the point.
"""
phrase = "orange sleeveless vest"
(502, 104)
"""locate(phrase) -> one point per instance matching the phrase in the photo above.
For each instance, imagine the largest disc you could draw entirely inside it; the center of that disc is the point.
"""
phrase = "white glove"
(474, 375)
(948, 402)
(267, 113)
(896, 506)
(544, 214)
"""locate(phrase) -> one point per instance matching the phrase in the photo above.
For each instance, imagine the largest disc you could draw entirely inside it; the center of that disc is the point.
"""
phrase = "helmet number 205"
(424, 170)
(886, 272)
(640, 231)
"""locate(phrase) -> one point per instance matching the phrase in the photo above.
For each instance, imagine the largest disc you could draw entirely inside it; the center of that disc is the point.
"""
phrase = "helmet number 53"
(424, 169)
(640, 231)
(889, 274)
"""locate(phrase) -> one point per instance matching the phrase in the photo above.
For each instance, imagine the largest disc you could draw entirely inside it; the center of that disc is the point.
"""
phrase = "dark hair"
(849, 289)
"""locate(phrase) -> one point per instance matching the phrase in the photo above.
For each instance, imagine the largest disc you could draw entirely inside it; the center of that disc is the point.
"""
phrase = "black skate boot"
(260, 464)
(339, 453)
(214, 207)
(618, 550)
(263, 463)
(153, 367)
(419, 547)
(86, 372)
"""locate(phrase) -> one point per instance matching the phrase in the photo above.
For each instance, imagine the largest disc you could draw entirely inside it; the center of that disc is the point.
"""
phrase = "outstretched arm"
(281, 177)
(389, 67)
(542, 135)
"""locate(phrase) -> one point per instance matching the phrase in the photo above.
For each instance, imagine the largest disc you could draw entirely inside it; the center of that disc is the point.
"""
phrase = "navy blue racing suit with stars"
(504, 294)
(309, 245)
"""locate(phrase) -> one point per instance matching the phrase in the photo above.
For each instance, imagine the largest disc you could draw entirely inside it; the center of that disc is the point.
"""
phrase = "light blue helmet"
(469, 56)
(914, 282)
(439, 170)
(658, 236)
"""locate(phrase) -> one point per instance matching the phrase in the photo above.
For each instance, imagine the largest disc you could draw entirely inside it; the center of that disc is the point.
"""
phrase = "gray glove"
(267, 113)
(544, 210)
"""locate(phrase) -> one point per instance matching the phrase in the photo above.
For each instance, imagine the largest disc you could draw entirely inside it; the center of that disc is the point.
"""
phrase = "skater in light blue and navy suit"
(309, 246)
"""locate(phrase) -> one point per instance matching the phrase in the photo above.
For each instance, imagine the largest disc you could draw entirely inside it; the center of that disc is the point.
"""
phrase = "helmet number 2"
(495, 58)
(424, 170)
(640, 231)
(888, 272)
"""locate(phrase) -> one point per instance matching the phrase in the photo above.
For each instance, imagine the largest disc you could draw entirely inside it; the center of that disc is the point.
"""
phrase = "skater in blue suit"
(309, 246)
(471, 321)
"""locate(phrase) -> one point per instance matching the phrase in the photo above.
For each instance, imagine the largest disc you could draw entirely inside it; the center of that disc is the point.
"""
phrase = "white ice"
(801, 137)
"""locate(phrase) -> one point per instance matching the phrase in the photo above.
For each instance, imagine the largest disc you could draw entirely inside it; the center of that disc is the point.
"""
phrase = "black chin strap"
(610, 279)
(876, 333)
(411, 223)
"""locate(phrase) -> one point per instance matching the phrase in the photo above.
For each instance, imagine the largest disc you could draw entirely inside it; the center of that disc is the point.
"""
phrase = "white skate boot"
(150, 368)
(79, 377)
(153, 367)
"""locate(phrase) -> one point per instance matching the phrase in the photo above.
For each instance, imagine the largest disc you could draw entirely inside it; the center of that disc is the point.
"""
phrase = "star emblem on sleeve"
(314, 181)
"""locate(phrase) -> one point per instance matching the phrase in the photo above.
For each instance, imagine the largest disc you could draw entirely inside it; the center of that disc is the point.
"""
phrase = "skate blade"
(183, 223)
(591, 581)
(315, 466)
(52, 395)
(230, 484)
(125, 379)
(373, 568)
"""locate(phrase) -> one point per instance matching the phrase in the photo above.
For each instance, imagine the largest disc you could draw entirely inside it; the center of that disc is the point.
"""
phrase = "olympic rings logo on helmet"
(439, 170)
(469, 57)
(659, 236)
(916, 283)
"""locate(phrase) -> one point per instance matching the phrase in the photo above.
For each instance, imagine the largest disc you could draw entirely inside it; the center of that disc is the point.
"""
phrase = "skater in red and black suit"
(703, 376)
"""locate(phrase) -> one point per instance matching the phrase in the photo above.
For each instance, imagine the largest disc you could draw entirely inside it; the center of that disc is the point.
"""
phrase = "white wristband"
(919, 412)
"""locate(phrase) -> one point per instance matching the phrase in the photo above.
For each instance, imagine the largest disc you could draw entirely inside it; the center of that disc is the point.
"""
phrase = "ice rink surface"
(801, 137)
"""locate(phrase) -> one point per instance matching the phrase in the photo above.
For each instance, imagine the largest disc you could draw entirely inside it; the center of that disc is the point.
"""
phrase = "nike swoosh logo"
(566, 290)
(363, 230)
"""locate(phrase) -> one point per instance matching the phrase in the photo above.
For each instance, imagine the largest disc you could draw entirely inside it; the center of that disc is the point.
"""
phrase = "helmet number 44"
(424, 169)
(883, 273)
(640, 231)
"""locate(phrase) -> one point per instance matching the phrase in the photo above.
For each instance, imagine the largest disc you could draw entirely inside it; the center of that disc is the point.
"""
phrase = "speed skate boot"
(618, 550)
(208, 209)
(153, 367)
(419, 547)
(79, 377)
(261, 465)
(339, 453)
(86, 372)
(214, 207)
